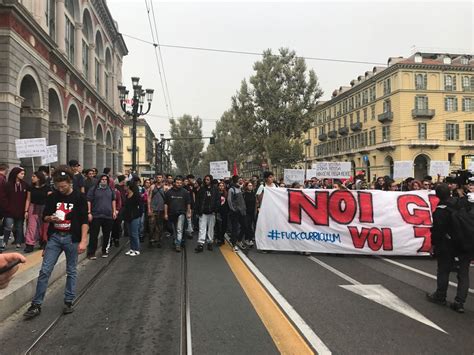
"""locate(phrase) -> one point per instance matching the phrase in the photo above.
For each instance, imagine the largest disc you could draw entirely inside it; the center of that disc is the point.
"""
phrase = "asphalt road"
(135, 307)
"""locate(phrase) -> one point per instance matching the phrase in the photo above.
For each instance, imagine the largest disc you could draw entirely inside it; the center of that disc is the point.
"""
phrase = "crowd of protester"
(86, 204)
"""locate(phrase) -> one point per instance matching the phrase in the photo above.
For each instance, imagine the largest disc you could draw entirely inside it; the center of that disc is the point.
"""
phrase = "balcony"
(423, 113)
(389, 145)
(343, 131)
(424, 143)
(385, 117)
(356, 127)
(466, 145)
(323, 137)
(332, 134)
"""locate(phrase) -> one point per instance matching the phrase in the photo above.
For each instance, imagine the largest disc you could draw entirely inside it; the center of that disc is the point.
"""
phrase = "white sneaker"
(137, 252)
(129, 252)
(134, 253)
(249, 243)
(236, 248)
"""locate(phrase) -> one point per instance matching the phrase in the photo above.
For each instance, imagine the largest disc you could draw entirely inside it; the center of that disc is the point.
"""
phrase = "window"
(450, 82)
(385, 133)
(421, 102)
(387, 86)
(464, 61)
(372, 136)
(365, 114)
(358, 116)
(85, 59)
(470, 131)
(69, 39)
(372, 94)
(420, 81)
(51, 18)
(365, 97)
(69, 4)
(351, 120)
(452, 131)
(387, 107)
(450, 104)
(467, 104)
(338, 123)
(345, 121)
(372, 112)
(106, 85)
(97, 74)
(422, 130)
(466, 83)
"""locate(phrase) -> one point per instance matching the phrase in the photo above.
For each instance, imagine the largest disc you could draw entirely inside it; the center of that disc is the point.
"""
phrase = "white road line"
(418, 271)
(303, 327)
(334, 271)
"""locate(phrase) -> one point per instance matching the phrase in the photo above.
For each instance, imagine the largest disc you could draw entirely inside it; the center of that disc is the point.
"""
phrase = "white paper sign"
(332, 170)
(440, 167)
(310, 173)
(293, 175)
(30, 148)
(52, 155)
(402, 169)
(373, 222)
(219, 169)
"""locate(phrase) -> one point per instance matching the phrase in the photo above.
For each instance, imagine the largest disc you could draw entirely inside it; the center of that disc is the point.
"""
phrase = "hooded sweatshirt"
(15, 194)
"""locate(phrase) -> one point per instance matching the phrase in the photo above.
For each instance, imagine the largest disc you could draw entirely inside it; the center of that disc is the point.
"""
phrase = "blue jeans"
(58, 243)
(14, 225)
(177, 224)
(133, 230)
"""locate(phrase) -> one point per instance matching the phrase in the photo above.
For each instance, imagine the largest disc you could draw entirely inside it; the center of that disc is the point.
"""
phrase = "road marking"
(419, 272)
(303, 327)
(286, 337)
(380, 295)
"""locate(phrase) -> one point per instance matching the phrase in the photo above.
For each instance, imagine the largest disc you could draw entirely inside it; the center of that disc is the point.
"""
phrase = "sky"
(201, 83)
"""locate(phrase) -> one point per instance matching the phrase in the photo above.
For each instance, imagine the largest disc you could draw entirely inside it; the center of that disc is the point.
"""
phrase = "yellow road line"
(284, 334)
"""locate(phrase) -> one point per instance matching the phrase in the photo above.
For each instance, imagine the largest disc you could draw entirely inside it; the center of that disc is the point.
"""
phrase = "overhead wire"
(161, 57)
(157, 60)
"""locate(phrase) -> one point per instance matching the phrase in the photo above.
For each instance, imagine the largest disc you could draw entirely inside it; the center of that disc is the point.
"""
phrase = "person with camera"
(66, 213)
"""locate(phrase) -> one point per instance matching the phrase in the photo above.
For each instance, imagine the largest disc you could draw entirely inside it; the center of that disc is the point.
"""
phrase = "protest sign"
(369, 222)
(402, 169)
(52, 155)
(293, 175)
(439, 167)
(30, 148)
(219, 169)
(310, 173)
(332, 170)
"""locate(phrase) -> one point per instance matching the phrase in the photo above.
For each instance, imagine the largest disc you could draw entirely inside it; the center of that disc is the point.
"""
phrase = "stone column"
(101, 159)
(108, 158)
(115, 159)
(10, 106)
(120, 167)
(78, 49)
(60, 26)
(75, 146)
(101, 87)
(90, 153)
(91, 77)
(58, 136)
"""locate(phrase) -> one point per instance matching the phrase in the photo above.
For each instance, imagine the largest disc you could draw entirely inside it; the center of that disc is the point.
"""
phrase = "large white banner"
(346, 222)
(30, 148)
(219, 169)
(332, 170)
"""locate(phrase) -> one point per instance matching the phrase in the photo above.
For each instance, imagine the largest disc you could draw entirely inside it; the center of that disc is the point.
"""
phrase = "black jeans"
(237, 227)
(96, 224)
(445, 264)
(250, 226)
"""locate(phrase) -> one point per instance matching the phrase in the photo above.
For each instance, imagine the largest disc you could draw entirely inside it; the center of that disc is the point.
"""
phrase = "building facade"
(419, 108)
(61, 62)
(146, 142)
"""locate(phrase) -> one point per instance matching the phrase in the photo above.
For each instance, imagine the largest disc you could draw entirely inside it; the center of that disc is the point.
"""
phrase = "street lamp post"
(137, 110)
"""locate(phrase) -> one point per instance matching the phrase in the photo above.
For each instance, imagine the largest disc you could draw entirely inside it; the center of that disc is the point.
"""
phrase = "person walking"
(177, 209)
(102, 212)
(156, 209)
(131, 216)
(17, 208)
(222, 214)
(66, 213)
(117, 226)
(37, 194)
(79, 180)
(206, 206)
(250, 199)
(237, 213)
(3, 200)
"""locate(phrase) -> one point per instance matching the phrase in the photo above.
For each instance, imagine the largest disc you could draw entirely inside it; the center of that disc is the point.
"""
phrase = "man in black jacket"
(445, 251)
(206, 205)
(66, 213)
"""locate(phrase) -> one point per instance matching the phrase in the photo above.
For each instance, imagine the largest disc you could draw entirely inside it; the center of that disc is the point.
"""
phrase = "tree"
(186, 144)
(279, 105)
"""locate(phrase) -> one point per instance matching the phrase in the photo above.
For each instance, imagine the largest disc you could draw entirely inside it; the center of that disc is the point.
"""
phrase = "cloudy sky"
(202, 82)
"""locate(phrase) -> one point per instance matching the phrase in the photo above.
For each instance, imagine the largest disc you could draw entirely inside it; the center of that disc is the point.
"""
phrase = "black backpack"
(463, 229)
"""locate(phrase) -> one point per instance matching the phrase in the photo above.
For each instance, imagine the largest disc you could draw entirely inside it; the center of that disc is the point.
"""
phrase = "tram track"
(185, 347)
(78, 299)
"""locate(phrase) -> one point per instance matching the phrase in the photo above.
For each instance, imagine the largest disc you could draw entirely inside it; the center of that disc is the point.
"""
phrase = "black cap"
(73, 163)
(449, 180)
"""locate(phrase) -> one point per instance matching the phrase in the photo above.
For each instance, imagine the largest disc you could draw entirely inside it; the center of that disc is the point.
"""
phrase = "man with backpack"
(451, 237)
(237, 212)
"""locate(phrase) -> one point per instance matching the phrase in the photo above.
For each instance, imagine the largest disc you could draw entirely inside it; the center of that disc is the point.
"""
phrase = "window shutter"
(457, 131)
(454, 82)
(447, 131)
(446, 104)
(472, 83)
(425, 81)
(455, 103)
(445, 77)
(464, 104)
(426, 102)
